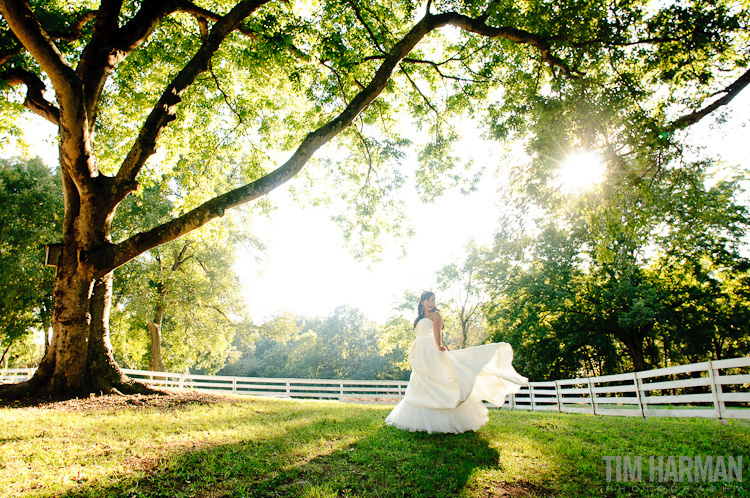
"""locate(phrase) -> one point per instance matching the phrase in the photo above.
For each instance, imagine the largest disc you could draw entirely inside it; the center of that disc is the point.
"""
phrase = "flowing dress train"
(447, 388)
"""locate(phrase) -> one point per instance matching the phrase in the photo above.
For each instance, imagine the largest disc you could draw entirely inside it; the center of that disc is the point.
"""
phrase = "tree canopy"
(144, 92)
(624, 276)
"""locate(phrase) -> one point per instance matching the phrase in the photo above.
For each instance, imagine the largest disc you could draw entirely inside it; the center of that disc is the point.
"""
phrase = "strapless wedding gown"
(447, 388)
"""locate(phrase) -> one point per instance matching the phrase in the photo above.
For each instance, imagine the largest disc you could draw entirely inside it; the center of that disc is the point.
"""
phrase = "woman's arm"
(437, 328)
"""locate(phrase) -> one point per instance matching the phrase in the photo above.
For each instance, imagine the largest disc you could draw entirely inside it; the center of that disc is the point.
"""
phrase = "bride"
(447, 388)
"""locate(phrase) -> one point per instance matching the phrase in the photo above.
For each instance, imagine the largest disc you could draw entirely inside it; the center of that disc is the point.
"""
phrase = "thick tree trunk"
(47, 324)
(70, 325)
(79, 359)
(634, 344)
(104, 374)
(155, 361)
(80, 325)
(464, 330)
(61, 373)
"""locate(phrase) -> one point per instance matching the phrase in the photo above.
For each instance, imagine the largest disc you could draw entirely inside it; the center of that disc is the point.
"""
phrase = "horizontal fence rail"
(373, 391)
(713, 389)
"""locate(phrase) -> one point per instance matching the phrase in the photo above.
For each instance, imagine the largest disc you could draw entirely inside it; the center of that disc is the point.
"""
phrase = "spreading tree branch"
(112, 257)
(435, 66)
(419, 91)
(75, 151)
(139, 28)
(98, 58)
(34, 93)
(32, 36)
(507, 33)
(361, 20)
(339, 81)
(163, 112)
(110, 44)
(203, 15)
(74, 32)
(179, 258)
(196, 11)
(512, 34)
(368, 156)
(108, 258)
(729, 92)
(6, 56)
(224, 95)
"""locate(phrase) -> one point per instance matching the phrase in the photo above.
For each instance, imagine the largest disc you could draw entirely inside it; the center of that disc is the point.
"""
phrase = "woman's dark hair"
(420, 306)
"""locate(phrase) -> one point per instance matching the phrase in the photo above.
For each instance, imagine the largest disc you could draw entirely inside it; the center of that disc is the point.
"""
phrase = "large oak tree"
(287, 77)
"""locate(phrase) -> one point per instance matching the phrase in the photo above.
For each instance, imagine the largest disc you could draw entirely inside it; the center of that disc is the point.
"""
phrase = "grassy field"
(257, 447)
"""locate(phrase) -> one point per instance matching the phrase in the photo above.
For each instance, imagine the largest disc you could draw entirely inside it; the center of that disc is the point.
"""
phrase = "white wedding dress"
(446, 388)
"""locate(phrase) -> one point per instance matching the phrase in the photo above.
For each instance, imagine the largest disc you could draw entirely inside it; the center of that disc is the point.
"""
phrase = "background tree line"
(611, 279)
(640, 272)
(634, 273)
(31, 214)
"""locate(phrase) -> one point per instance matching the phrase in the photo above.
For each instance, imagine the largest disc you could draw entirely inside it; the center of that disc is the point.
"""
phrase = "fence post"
(288, 389)
(531, 396)
(558, 397)
(593, 395)
(716, 391)
(640, 393)
(341, 390)
(512, 401)
(234, 385)
(182, 380)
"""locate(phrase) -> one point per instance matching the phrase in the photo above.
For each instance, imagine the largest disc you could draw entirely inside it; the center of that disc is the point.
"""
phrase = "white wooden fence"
(373, 391)
(370, 391)
(712, 389)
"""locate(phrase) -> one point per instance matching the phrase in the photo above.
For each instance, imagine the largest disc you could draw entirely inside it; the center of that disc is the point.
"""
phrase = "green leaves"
(31, 214)
(343, 345)
(193, 284)
(190, 281)
(643, 271)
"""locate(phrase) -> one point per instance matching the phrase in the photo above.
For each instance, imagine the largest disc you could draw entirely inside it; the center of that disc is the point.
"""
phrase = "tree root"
(39, 388)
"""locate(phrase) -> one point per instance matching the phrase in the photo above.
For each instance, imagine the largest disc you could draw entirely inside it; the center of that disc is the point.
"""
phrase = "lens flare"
(580, 172)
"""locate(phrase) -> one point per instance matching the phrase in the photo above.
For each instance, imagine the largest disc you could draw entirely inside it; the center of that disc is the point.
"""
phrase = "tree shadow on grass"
(384, 463)
(388, 463)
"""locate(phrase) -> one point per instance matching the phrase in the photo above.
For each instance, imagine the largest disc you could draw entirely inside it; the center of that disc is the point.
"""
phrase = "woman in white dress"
(447, 388)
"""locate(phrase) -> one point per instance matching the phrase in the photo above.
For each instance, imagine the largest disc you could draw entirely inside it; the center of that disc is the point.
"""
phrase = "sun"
(580, 172)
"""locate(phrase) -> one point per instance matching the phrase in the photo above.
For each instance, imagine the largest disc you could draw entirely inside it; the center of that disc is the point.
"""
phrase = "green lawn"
(283, 448)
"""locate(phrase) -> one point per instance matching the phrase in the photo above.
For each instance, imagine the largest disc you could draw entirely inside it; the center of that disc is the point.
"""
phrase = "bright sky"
(307, 271)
